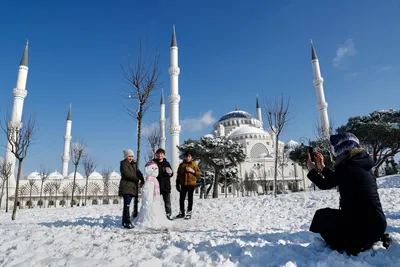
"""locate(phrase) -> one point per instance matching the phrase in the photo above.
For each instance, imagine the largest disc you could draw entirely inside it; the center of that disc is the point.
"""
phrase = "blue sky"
(228, 52)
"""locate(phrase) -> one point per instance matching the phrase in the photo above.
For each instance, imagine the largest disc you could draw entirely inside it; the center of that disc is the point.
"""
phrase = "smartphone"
(311, 151)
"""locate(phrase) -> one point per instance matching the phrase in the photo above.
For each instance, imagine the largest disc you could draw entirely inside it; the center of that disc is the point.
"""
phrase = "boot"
(181, 215)
(169, 217)
(129, 225)
(386, 240)
(188, 215)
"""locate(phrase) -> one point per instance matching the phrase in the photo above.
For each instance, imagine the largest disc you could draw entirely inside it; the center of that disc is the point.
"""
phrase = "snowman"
(152, 213)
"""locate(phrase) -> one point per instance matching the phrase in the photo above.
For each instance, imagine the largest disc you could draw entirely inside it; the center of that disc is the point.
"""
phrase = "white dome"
(34, 176)
(95, 176)
(78, 176)
(247, 129)
(115, 175)
(55, 176)
(292, 145)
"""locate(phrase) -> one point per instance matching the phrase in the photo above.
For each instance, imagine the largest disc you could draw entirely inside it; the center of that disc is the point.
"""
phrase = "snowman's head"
(151, 169)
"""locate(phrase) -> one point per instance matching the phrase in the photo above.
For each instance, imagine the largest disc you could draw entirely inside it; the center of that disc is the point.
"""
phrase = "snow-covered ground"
(249, 231)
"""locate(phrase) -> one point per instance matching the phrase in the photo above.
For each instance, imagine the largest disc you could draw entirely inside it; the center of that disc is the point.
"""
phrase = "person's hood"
(357, 156)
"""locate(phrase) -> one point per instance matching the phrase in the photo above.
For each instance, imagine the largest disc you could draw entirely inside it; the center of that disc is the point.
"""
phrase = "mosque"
(55, 189)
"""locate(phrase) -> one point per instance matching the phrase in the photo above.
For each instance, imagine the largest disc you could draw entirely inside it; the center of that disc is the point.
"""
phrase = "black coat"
(130, 177)
(359, 198)
(164, 179)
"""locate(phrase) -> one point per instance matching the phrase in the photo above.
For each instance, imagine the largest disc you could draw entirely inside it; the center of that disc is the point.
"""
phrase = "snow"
(243, 231)
(247, 129)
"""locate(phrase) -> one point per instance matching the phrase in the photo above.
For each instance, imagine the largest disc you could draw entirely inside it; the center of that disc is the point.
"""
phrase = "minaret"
(20, 93)
(162, 121)
(322, 104)
(174, 98)
(67, 143)
(259, 117)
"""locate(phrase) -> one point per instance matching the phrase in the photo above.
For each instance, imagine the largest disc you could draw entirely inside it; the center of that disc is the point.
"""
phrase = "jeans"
(167, 203)
(189, 189)
(126, 216)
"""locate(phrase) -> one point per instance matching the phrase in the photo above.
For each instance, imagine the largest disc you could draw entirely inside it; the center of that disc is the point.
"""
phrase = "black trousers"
(189, 190)
(126, 216)
(342, 233)
(167, 202)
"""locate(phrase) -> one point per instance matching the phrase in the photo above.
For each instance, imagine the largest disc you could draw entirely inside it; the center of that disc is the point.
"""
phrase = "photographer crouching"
(360, 221)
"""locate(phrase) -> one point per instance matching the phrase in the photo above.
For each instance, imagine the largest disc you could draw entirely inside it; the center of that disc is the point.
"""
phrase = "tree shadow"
(103, 221)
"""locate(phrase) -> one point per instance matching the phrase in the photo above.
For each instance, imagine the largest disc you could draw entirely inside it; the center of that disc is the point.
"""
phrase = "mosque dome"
(248, 130)
(55, 176)
(78, 176)
(115, 175)
(34, 176)
(235, 115)
(95, 176)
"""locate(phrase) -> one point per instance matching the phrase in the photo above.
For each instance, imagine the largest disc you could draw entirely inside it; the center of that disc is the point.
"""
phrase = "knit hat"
(342, 143)
(128, 152)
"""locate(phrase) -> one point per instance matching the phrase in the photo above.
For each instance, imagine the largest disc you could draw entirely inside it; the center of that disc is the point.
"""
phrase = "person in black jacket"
(164, 179)
(131, 177)
(360, 221)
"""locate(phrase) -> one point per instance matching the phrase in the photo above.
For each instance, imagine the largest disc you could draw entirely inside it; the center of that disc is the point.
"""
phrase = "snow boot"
(129, 225)
(181, 215)
(386, 240)
(188, 215)
(169, 217)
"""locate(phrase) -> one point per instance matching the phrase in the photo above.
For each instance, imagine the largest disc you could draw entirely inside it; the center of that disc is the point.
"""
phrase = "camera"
(311, 151)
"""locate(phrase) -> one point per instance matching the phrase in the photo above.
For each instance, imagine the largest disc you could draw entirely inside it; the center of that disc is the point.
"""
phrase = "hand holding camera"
(315, 160)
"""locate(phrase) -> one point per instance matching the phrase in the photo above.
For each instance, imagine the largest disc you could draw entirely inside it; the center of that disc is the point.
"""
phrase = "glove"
(178, 187)
(168, 170)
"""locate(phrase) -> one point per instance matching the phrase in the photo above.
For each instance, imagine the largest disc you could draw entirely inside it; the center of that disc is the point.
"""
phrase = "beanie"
(127, 152)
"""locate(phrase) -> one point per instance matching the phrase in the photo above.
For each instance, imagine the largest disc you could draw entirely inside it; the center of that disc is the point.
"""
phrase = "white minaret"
(259, 117)
(174, 98)
(162, 121)
(322, 104)
(67, 143)
(20, 93)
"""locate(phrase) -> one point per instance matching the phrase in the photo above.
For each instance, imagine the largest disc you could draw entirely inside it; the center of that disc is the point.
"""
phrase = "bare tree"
(143, 77)
(78, 151)
(89, 166)
(154, 138)
(32, 186)
(57, 187)
(20, 138)
(5, 173)
(278, 115)
(43, 177)
(105, 173)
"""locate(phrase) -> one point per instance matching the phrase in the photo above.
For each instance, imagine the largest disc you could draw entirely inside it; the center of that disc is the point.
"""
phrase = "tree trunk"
(7, 194)
(14, 213)
(276, 164)
(30, 198)
(139, 133)
(208, 190)
(87, 179)
(2, 192)
(73, 187)
(41, 194)
(216, 182)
